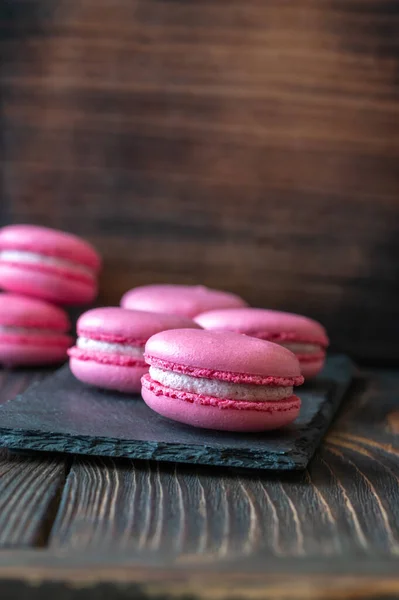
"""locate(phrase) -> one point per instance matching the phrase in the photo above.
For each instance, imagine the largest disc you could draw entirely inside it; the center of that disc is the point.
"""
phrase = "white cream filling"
(300, 348)
(20, 256)
(219, 389)
(99, 346)
(28, 330)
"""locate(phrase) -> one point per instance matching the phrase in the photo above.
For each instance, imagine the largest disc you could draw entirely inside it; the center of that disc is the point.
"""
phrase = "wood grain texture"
(254, 149)
(204, 516)
(28, 492)
(345, 504)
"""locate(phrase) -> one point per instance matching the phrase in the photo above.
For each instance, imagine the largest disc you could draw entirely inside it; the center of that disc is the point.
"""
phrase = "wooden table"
(93, 528)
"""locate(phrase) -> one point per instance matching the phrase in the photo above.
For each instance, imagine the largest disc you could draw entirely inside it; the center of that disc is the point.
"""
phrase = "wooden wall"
(248, 145)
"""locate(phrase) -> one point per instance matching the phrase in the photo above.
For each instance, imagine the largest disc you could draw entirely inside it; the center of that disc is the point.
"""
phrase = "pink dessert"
(221, 380)
(110, 347)
(186, 300)
(306, 338)
(32, 332)
(48, 264)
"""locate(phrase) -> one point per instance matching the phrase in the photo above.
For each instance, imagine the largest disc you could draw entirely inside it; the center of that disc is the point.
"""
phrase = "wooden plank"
(79, 576)
(29, 495)
(209, 515)
(345, 504)
(120, 576)
(214, 516)
(286, 588)
(254, 149)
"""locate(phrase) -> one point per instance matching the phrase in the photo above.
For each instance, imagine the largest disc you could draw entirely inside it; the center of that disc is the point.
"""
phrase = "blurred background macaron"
(32, 332)
(110, 347)
(185, 300)
(48, 264)
(306, 338)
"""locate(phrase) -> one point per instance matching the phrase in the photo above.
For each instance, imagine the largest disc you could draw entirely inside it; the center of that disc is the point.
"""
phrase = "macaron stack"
(201, 357)
(239, 374)
(40, 268)
(48, 264)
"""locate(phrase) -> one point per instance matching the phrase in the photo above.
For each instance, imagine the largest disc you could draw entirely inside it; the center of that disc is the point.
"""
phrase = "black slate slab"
(62, 415)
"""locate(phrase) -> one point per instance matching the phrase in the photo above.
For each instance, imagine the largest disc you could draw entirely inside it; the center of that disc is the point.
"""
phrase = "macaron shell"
(179, 299)
(51, 242)
(210, 417)
(222, 351)
(53, 287)
(15, 353)
(110, 377)
(264, 322)
(123, 325)
(25, 312)
(311, 369)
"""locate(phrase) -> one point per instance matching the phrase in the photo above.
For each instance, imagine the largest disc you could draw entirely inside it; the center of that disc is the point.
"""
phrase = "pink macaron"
(306, 338)
(221, 380)
(186, 300)
(32, 332)
(48, 264)
(110, 347)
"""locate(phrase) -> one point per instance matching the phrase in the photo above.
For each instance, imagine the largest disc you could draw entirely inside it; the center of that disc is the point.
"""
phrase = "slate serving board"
(60, 414)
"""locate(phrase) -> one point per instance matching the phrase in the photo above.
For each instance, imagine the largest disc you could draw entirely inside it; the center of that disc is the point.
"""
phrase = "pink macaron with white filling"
(221, 380)
(185, 300)
(306, 338)
(110, 347)
(32, 332)
(48, 264)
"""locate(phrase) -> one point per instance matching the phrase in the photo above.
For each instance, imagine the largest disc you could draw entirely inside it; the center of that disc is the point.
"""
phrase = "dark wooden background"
(248, 145)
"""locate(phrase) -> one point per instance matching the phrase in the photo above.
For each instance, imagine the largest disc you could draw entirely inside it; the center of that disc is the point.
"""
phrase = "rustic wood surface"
(29, 490)
(254, 148)
(113, 529)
